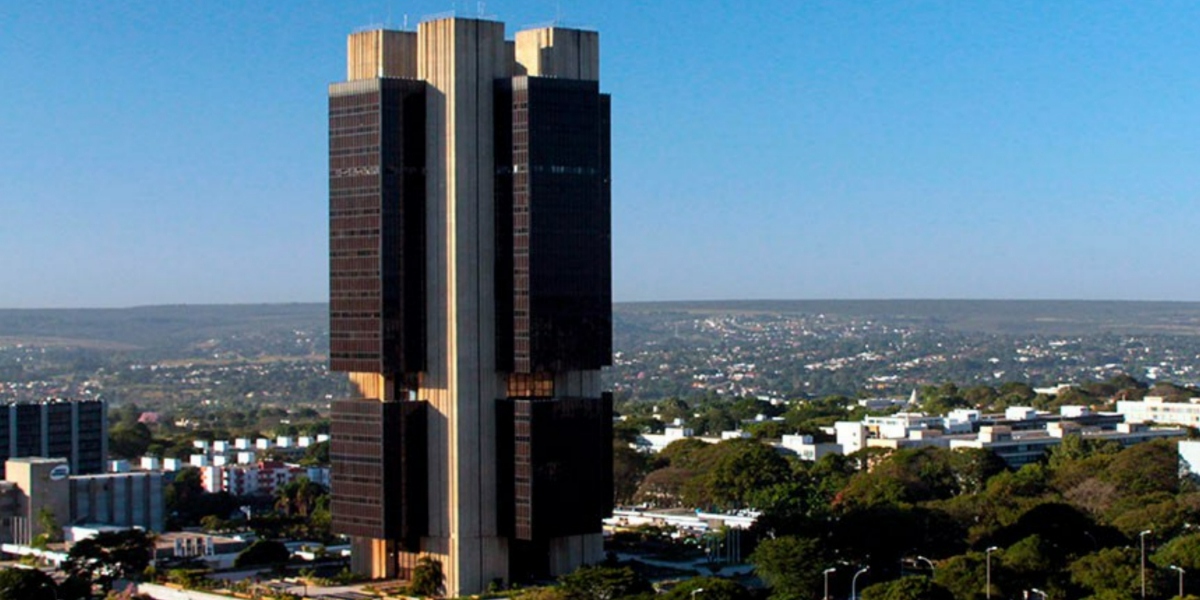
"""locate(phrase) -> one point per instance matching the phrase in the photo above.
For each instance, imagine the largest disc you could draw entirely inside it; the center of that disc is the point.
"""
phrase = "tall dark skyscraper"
(471, 301)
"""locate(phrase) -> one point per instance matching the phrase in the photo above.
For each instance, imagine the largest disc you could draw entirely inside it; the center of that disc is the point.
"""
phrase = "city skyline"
(1010, 150)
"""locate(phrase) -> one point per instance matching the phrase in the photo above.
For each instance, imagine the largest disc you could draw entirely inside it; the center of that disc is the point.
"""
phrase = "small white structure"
(851, 435)
(806, 449)
(210, 479)
(1189, 458)
(655, 442)
(898, 425)
(119, 466)
(199, 460)
(1075, 411)
(1020, 413)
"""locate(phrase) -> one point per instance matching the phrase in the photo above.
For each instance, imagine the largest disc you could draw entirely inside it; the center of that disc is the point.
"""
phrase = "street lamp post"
(988, 555)
(1039, 592)
(1180, 580)
(1142, 538)
(854, 582)
(827, 572)
(932, 569)
(696, 591)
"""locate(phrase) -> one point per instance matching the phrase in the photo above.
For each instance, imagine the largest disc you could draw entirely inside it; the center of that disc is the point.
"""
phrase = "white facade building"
(1155, 409)
(806, 449)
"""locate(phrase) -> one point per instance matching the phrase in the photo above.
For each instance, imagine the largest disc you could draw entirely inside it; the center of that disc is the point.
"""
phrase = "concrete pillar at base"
(369, 558)
(570, 553)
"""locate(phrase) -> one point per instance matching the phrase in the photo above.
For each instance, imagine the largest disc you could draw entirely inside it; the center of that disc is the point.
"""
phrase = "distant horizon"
(630, 302)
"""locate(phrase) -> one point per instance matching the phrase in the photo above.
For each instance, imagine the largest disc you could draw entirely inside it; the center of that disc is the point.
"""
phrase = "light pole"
(1180, 580)
(1039, 592)
(988, 555)
(930, 563)
(827, 572)
(854, 582)
(696, 591)
(1142, 538)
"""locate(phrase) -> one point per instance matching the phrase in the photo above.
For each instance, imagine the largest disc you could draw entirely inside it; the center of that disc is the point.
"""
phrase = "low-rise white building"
(850, 435)
(655, 442)
(898, 425)
(806, 449)
(1156, 409)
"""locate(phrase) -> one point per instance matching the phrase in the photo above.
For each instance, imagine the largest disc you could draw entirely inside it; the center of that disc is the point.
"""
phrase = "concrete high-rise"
(76, 430)
(470, 301)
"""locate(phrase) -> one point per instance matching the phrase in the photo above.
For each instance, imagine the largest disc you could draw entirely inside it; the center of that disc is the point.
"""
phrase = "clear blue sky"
(174, 152)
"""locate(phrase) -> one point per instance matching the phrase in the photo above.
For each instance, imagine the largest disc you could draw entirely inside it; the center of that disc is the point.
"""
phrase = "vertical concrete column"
(460, 59)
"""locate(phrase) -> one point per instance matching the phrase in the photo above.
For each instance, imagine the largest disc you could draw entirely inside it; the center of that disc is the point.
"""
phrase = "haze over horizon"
(176, 154)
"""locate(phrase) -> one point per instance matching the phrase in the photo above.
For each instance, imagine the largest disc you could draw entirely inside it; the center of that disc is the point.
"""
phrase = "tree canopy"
(110, 555)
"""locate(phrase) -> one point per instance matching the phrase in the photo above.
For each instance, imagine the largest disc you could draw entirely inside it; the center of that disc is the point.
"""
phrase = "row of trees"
(1069, 526)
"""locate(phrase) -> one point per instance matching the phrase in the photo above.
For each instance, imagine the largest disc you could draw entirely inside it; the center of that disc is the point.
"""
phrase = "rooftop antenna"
(405, 21)
(481, 7)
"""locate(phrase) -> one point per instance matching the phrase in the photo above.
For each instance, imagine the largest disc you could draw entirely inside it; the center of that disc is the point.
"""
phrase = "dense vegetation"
(1069, 526)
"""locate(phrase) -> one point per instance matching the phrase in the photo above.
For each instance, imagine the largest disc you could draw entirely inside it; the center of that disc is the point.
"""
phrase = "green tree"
(26, 584)
(1146, 468)
(664, 487)
(629, 468)
(1182, 551)
(603, 583)
(316, 454)
(50, 530)
(129, 440)
(790, 565)
(110, 555)
(907, 588)
(965, 576)
(1111, 573)
(298, 497)
(714, 588)
(428, 579)
(743, 468)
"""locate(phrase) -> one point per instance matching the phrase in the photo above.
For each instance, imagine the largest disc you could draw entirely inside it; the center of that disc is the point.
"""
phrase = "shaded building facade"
(470, 301)
(75, 430)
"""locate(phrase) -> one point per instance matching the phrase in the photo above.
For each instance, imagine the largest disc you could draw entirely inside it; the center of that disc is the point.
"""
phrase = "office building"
(470, 301)
(44, 489)
(76, 430)
(119, 499)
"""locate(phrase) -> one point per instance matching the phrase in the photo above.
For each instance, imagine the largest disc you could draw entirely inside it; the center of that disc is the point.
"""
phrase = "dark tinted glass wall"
(90, 433)
(29, 430)
(560, 223)
(378, 456)
(59, 427)
(554, 466)
(377, 226)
